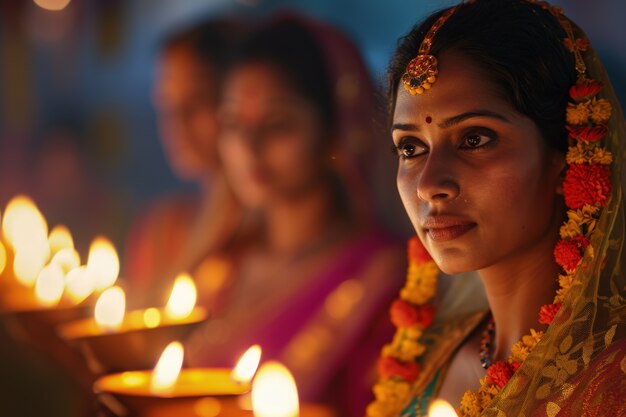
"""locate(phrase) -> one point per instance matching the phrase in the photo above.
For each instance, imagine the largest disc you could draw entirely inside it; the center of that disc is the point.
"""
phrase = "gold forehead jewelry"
(422, 71)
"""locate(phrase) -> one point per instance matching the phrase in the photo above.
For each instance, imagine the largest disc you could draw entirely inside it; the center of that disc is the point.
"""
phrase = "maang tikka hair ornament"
(421, 73)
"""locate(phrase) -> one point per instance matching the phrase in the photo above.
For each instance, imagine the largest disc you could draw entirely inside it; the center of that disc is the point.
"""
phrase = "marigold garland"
(587, 188)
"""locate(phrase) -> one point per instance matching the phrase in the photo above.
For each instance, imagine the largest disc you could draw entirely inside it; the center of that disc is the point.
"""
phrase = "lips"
(444, 228)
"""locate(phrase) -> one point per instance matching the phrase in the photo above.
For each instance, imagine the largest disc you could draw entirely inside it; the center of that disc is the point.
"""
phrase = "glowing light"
(103, 263)
(67, 259)
(54, 5)
(3, 257)
(110, 308)
(49, 285)
(182, 299)
(167, 368)
(151, 317)
(60, 238)
(441, 408)
(27, 265)
(78, 284)
(24, 226)
(274, 392)
(246, 367)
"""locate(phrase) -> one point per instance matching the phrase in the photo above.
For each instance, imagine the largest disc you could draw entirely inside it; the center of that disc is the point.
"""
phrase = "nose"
(438, 181)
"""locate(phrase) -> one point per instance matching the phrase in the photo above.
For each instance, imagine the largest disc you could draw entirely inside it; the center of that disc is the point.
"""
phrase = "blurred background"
(78, 131)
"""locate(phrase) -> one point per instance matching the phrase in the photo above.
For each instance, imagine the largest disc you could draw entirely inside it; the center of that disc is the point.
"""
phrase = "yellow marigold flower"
(486, 394)
(600, 110)
(379, 409)
(578, 114)
(470, 405)
(421, 283)
(388, 350)
(570, 229)
(519, 352)
(532, 339)
(394, 393)
(588, 153)
(410, 348)
(414, 333)
(566, 281)
(561, 293)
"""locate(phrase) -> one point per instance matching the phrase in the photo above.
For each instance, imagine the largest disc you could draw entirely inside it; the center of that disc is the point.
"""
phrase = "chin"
(454, 261)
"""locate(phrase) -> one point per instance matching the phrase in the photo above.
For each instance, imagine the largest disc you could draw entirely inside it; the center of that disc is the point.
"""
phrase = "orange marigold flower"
(470, 406)
(515, 366)
(389, 367)
(403, 314)
(600, 110)
(578, 114)
(585, 89)
(568, 253)
(588, 134)
(499, 373)
(586, 184)
(417, 251)
(547, 313)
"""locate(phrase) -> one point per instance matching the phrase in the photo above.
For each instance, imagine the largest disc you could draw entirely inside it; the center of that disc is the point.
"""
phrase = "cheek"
(407, 180)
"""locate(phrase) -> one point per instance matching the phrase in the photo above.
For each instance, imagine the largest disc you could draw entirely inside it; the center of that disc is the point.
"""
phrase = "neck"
(292, 225)
(516, 289)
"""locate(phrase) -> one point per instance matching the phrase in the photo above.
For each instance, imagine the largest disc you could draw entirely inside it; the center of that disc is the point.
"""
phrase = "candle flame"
(49, 285)
(78, 283)
(246, 367)
(103, 263)
(54, 5)
(24, 224)
(441, 408)
(182, 299)
(26, 231)
(109, 312)
(3, 257)
(167, 368)
(67, 259)
(60, 238)
(274, 392)
(151, 317)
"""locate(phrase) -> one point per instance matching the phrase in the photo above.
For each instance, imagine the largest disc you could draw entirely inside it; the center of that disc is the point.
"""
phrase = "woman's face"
(271, 137)
(478, 181)
(184, 99)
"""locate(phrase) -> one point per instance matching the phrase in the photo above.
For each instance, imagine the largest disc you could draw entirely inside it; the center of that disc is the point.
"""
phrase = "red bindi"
(429, 119)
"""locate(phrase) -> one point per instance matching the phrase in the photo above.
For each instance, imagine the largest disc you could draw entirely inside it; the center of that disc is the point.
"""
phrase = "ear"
(560, 166)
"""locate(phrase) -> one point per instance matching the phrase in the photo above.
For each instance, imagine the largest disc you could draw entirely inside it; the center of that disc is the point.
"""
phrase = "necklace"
(486, 342)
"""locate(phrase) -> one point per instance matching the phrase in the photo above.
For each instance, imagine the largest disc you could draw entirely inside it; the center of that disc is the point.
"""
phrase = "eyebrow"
(454, 120)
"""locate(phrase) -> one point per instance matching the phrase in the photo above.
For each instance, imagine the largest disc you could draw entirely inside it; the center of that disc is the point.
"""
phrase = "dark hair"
(288, 45)
(211, 41)
(518, 44)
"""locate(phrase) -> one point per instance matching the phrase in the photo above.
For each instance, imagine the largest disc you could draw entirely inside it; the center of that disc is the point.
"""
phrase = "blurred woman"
(314, 275)
(177, 230)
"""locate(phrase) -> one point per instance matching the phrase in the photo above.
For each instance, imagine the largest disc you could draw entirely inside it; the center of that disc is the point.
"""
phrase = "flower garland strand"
(411, 314)
(586, 189)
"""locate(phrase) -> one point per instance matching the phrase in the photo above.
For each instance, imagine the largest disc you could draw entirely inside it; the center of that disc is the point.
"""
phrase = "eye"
(476, 140)
(408, 148)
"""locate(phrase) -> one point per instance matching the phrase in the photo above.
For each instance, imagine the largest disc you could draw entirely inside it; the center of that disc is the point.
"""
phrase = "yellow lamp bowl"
(202, 392)
(136, 345)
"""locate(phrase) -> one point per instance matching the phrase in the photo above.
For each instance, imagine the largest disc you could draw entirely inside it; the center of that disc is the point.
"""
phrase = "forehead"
(460, 87)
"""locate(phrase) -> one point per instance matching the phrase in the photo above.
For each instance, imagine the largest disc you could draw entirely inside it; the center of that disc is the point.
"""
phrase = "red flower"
(425, 315)
(568, 253)
(547, 313)
(586, 184)
(580, 44)
(403, 314)
(588, 134)
(417, 251)
(584, 90)
(499, 373)
(389, 367)
(515, 366)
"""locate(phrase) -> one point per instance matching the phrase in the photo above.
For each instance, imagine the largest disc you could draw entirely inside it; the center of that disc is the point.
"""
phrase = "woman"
(486, 97)
(176, 231)
(296, 124)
